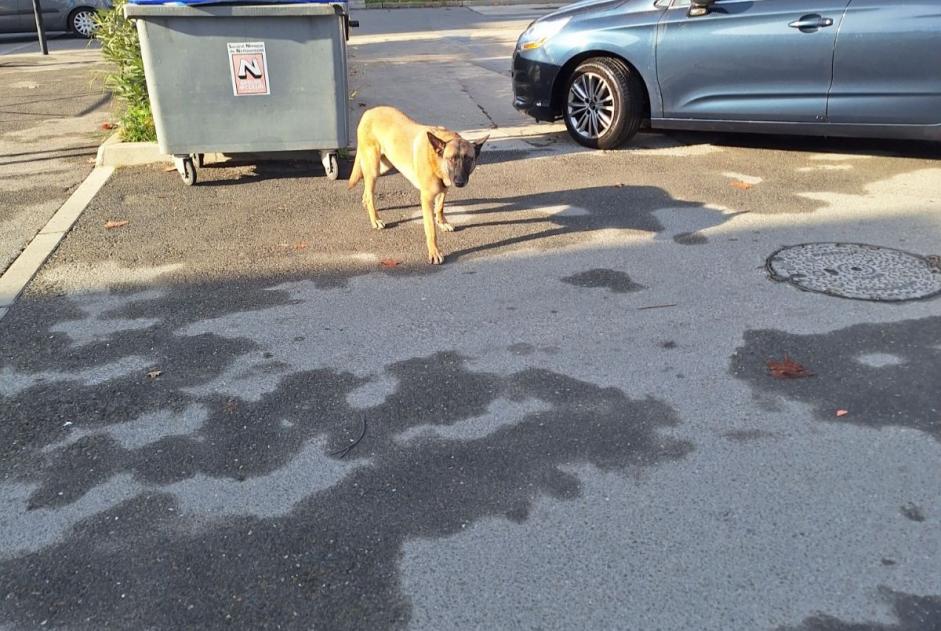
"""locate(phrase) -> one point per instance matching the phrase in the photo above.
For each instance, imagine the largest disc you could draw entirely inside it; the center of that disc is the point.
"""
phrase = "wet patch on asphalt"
(613, 280)
(690, 238)
(901, 393)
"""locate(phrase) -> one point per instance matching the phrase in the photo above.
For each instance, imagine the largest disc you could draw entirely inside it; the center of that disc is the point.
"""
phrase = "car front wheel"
(604, 103)
(82, 22)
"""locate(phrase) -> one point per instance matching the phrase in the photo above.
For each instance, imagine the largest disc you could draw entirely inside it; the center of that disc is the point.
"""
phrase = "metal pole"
(40, 28)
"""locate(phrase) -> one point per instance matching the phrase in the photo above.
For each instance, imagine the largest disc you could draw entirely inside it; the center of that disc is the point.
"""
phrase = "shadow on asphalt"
(811, 144)
(327, 543)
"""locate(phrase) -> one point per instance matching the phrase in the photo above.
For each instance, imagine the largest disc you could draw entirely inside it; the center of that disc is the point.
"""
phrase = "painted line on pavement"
(47, 240)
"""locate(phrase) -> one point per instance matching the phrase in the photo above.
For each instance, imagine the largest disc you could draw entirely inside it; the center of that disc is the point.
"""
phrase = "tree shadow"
(250, 517)
(575, 211)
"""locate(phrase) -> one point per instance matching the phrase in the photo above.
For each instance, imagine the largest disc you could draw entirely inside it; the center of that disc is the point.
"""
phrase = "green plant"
(121, 46)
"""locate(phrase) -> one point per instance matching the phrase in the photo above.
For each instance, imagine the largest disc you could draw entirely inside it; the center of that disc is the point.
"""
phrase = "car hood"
(587, 6)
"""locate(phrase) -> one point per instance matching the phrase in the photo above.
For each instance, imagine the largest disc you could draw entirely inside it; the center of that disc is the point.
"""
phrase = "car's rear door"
(887, 65)
(748, 60)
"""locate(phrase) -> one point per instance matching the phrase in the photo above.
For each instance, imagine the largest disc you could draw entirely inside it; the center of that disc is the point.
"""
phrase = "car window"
(685, 3)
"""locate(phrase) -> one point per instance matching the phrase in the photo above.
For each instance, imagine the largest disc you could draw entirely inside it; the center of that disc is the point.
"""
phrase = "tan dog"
(431, 158)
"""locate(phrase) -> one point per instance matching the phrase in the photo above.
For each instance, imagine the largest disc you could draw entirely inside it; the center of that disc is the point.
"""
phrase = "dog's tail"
(357, 174)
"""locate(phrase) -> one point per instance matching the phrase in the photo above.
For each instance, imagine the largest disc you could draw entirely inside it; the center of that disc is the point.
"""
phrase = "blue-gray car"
(864, 68)
(77, 16)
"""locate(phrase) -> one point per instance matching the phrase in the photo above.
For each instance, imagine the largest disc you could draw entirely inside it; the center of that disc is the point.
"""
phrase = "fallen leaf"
(231, 406)
(113, 223)
(389, 263)
(107, 125)
(787, 368)
(742, 186)
(168, 169)
(300, 245)
(153, 374)
(842, 412)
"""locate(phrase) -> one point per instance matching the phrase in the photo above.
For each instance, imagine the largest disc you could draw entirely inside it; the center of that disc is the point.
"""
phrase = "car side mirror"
(699, 8)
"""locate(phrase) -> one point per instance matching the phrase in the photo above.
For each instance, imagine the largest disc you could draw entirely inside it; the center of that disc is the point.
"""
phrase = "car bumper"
(532, 87)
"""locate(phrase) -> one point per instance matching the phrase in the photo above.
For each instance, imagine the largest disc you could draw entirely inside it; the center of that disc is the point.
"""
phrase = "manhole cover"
(856, 270)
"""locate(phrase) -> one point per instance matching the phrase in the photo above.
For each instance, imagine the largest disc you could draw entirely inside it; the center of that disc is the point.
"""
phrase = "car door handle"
(811, 22)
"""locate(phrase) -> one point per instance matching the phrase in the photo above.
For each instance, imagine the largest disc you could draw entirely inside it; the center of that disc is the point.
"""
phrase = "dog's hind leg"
(384, 165)
(439, 213)
(370, 167)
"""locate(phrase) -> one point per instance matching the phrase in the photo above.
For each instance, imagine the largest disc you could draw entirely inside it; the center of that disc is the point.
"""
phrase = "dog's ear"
(480, 145)
(437, 144)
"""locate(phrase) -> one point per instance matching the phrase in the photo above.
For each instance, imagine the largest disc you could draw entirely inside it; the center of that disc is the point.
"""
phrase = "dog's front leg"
(431, 235)
(439, 213)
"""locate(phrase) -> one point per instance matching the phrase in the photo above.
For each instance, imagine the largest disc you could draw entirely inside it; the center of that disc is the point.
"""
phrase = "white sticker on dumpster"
(249, 66)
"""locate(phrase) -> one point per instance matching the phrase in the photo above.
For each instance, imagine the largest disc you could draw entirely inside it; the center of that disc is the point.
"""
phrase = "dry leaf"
(168, 169)
(116, 223)
(300, 245)
(742, 186)
(787, 368)
(389, 263)
(153, 374)
(107, 126)
(231, 406)
(842, 412)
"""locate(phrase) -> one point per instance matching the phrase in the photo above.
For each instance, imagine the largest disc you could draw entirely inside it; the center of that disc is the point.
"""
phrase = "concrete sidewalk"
(51, 114)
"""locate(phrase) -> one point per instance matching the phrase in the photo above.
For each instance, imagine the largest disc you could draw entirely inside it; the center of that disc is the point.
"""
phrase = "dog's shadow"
(565, 212)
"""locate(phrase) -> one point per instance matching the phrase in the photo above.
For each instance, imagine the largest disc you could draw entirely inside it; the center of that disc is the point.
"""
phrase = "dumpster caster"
(199, 159)
(331, 165)
(186, 169)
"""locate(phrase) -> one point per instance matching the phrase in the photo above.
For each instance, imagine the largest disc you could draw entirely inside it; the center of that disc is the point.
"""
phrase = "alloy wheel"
(591, 105)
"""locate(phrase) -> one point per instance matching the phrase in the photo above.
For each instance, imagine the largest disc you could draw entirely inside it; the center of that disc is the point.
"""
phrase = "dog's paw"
(435, 257)
(378, 224)
(444, 225)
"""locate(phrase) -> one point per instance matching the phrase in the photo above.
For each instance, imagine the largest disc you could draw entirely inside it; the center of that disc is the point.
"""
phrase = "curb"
(114, 153)
(22, 270)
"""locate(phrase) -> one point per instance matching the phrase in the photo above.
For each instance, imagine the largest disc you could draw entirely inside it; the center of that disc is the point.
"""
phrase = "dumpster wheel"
(331, 165)
(189, 172)
(186, 169)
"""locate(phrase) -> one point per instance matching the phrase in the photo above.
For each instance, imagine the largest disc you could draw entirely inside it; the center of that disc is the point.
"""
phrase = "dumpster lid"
(234, 2)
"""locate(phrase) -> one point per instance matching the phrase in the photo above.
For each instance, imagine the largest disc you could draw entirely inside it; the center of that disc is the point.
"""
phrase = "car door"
(52, 14)
(748, 60)
(887, 66)
(10, 16)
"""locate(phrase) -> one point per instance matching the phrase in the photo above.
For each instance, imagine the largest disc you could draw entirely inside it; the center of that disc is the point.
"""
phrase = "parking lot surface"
(247, 408)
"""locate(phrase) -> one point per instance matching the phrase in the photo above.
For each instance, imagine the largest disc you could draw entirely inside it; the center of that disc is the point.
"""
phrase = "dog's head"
(456, 158)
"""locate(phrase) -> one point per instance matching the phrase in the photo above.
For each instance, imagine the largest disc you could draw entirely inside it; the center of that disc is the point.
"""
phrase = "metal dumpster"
(240, 78)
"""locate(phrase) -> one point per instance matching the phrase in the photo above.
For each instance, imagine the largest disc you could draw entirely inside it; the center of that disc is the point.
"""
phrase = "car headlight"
(540, 32)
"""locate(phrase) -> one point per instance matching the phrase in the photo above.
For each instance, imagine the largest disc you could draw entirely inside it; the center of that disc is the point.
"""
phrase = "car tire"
(603, 103)
(82, 22)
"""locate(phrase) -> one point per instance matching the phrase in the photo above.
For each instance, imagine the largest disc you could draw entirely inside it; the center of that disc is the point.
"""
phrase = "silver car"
(16, 16)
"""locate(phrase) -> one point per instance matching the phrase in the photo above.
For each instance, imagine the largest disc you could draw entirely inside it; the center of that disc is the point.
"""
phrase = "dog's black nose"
(460, 184)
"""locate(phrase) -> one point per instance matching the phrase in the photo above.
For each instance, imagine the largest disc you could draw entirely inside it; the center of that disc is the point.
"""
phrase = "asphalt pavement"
(246, 408)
